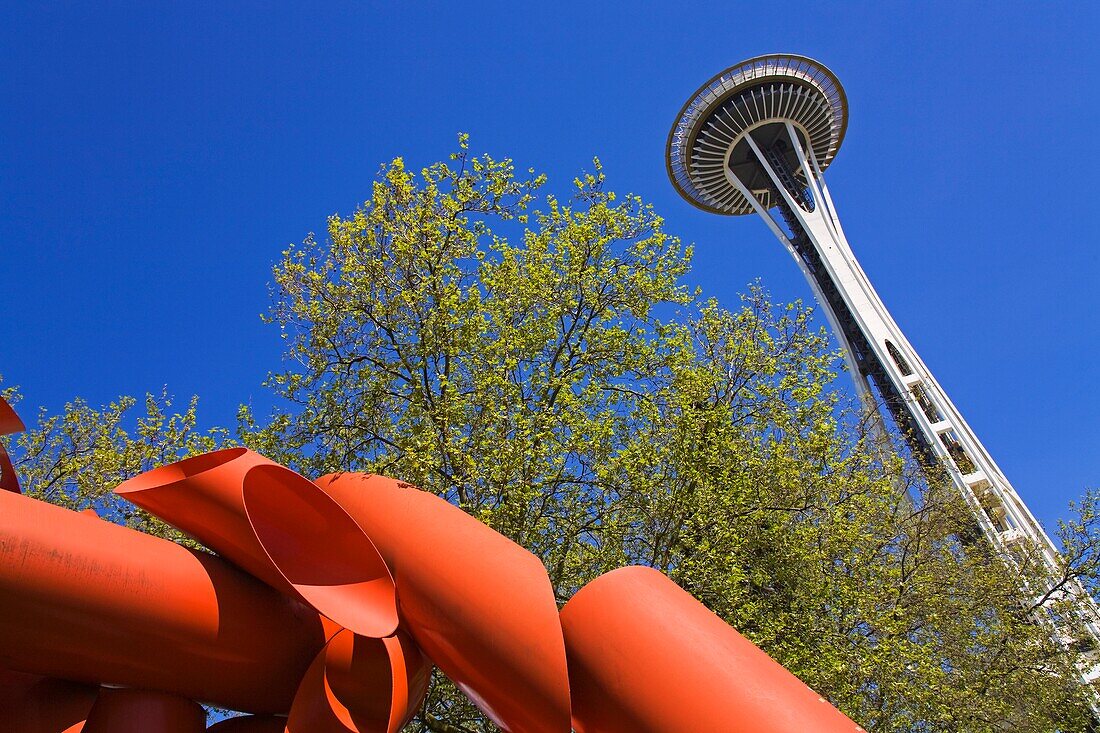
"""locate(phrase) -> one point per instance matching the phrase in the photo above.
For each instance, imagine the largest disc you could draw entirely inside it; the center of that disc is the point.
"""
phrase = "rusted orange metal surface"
(480, 606)
(204, 496)
(87, 600)
(646, 657)
(143, 711)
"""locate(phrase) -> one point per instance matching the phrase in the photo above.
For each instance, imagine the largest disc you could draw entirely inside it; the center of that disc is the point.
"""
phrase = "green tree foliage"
(543, 366)
(541, 363)
(77, 458)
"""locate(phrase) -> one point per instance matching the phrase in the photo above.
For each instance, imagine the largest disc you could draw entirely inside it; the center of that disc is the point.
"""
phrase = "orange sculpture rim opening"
(321, 551)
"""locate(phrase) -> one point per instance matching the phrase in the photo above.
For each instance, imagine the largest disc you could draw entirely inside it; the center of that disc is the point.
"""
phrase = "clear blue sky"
(156, 157)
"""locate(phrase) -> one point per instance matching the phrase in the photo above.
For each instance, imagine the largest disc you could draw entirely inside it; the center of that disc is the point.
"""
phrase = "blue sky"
(155, 158)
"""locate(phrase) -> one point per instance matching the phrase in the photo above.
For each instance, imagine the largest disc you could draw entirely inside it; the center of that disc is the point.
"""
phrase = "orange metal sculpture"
(646, 657)
(9, 423)
(480, 606)
(86, 600)
(403, 580)
(142, 711)
(34, 704)
(345, 689)
(204, 496)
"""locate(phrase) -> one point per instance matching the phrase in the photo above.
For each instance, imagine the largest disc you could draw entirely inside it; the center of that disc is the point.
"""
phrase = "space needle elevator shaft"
(756, 139)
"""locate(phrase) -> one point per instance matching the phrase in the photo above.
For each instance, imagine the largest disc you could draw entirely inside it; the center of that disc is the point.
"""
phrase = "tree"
(77, 458)
(544, 367)
(547, 370)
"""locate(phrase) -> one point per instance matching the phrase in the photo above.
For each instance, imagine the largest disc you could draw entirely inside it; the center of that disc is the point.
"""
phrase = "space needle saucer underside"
(758, 92)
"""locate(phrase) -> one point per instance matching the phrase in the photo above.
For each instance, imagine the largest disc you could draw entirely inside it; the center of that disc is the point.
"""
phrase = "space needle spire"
(757, 138)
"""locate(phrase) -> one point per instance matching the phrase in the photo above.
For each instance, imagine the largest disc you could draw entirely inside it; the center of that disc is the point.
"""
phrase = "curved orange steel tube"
(646, 657)
(9, 423)
(201, 496)
(320, 550)
(8, 480)
(142, 711)
(480, 606)
(340, 692)
(88, 600)
(204, 496)
(250, 724)
(34, 704)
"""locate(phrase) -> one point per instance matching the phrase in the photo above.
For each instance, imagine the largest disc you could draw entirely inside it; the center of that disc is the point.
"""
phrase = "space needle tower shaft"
(757, 138)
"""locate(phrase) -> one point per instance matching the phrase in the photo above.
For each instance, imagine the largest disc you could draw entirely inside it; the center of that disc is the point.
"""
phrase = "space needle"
(757, 138)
